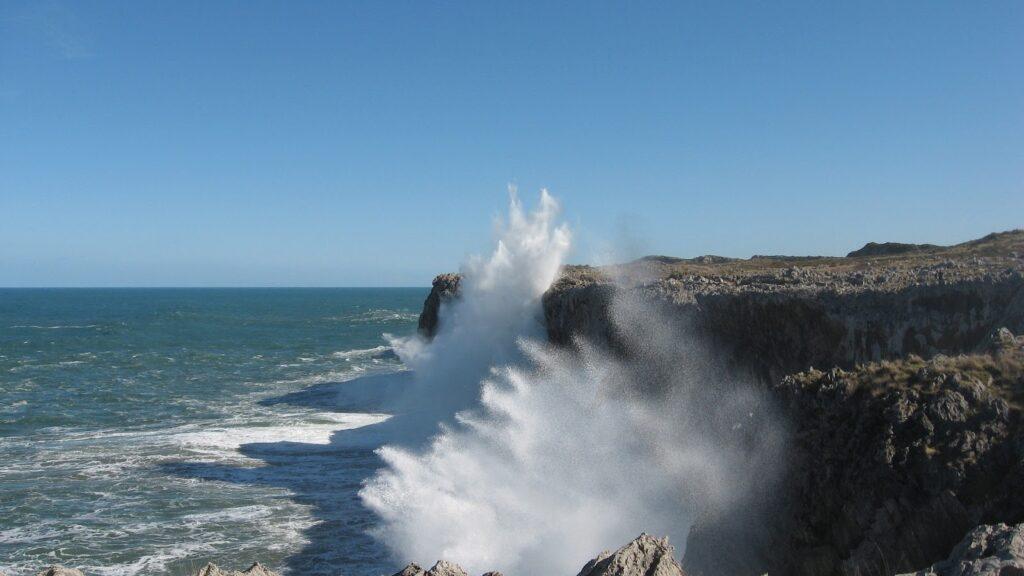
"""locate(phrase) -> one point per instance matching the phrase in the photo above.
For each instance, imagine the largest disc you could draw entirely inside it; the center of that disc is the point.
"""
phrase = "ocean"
(148, 431)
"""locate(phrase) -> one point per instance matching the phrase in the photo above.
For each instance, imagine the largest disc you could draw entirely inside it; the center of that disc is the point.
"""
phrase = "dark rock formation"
(985, 551)
(445, 287)
(893, 462)
(891, 248)
(644, 556)
(59, 570)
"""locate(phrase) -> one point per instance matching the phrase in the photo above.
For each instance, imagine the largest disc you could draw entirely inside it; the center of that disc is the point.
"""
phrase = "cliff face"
(896, 453)
(781, 315)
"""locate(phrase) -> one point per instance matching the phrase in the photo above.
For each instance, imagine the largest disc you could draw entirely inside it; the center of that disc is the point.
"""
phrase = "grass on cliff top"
(1004, 245)
(1002, 372)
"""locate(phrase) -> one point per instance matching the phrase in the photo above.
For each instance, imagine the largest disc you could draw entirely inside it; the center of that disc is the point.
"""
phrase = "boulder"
(644, 556)
(988, 550)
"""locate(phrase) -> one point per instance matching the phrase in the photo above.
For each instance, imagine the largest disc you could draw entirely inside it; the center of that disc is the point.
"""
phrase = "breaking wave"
(555, 454)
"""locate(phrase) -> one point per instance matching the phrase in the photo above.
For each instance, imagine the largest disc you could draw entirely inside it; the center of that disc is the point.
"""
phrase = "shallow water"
(147, 431)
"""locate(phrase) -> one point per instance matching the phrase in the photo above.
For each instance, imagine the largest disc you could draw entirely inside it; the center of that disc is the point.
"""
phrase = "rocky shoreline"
(898, 370)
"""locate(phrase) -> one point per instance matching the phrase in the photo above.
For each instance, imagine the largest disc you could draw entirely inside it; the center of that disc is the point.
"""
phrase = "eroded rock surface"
(644, 556)
(256, 569)
(894, 461)
(441, 568)
(996, 550)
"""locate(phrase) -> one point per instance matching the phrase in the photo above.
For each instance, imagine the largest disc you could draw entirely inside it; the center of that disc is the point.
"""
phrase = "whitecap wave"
(361, 352)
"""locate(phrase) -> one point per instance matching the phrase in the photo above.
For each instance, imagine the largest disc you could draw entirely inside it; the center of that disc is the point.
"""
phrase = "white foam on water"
(361, 352)
(314, 429)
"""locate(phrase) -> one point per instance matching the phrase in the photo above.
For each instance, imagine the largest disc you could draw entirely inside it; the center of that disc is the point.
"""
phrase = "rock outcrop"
(441, 568)
(986, 551)
(893, 462)
(890, 249)
(644, 556)
(256, 569)
(445, 287)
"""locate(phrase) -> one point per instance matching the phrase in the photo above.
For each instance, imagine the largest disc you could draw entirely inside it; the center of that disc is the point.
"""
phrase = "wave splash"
(563, 452)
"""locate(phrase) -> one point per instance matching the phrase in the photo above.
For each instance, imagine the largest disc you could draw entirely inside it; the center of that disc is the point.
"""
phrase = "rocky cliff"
(900, 444)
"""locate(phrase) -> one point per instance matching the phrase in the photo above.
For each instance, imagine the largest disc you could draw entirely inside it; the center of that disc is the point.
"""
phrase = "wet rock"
(59, 570)
(988, 550)
(445, 288)
(644, 556)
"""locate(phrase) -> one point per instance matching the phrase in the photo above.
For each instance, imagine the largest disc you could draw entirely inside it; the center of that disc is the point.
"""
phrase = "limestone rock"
(256, 569)
(59, 570)
(446, 568)
(992, 550)
(644, 556)
(441, 568)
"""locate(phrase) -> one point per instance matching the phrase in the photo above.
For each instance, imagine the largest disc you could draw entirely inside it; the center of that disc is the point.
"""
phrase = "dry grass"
(1002, 372)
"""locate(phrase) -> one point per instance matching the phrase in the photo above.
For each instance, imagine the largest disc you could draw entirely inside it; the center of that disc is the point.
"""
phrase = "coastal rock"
(890, 465)
(644, 556)
(59, 570)
(986, 551)
(445, 568)
(441, 568)
(256, 569)
(445, 287)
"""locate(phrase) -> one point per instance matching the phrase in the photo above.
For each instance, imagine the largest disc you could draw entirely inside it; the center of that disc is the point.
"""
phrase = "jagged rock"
(441, 568)
(256, 569)
(986, 551)
(446, 568)
(59, 570)
(644, 556)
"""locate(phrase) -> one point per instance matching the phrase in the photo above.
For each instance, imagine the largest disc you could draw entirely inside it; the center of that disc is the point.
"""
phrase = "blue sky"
(371, 143)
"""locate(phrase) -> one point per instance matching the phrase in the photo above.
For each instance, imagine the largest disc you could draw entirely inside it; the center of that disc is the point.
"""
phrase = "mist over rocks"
(898, 375)
(643, 556)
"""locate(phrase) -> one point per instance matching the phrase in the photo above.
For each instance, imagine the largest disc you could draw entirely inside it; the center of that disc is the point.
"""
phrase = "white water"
(559, 454)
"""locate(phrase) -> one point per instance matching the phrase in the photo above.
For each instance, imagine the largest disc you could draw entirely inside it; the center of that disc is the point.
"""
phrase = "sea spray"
(500, 302)
(567, 451)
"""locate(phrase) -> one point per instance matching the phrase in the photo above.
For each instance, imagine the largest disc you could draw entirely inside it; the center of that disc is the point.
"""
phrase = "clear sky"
(371, 143)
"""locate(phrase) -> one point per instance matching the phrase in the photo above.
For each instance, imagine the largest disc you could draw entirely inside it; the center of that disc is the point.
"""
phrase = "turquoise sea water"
(147, 431)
